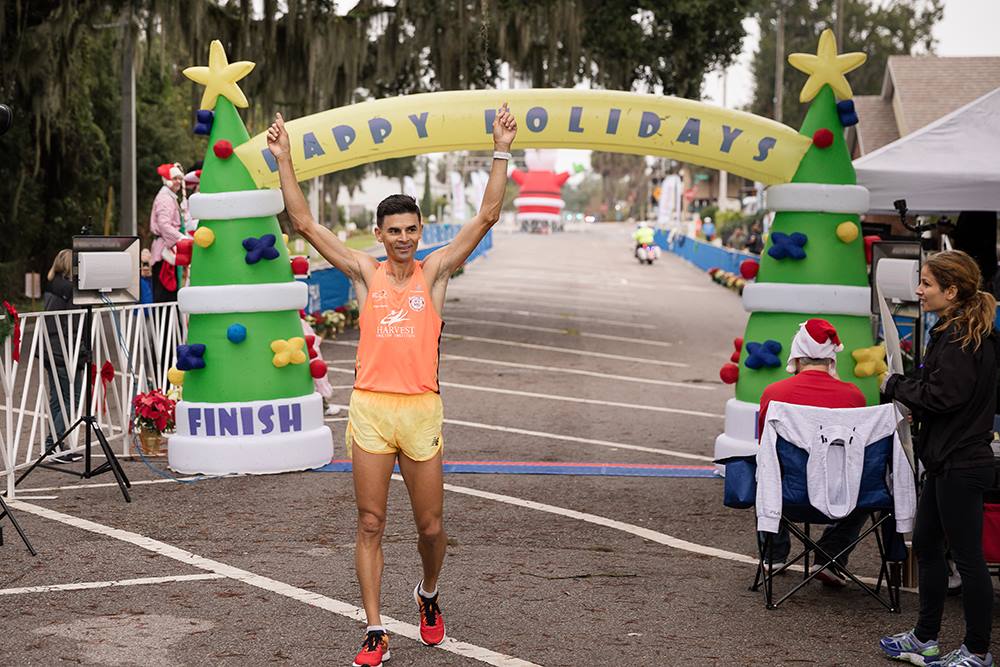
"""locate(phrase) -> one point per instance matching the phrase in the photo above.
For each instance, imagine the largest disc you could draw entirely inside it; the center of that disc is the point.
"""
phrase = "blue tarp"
(703, 255)
(329, 288)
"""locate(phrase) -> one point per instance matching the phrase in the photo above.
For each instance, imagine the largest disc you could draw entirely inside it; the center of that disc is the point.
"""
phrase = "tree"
(877, 29)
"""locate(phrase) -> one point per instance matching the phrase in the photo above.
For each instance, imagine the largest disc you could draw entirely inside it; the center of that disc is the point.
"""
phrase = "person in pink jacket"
(165, 225)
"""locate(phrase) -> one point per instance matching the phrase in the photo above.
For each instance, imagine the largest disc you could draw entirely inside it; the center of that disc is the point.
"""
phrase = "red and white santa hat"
(816, 339)
(193, 177)
(168, 172)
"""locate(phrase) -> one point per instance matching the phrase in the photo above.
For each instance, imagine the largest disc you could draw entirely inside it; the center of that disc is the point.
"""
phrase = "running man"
(395, 412)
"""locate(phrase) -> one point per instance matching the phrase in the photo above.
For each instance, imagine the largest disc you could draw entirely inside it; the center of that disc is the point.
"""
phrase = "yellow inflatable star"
(288, 351)
(826, 67)
(869, 361)
(220, 77)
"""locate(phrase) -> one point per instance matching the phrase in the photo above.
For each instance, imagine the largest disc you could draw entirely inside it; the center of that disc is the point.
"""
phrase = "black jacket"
(59, 296)
(953, 397)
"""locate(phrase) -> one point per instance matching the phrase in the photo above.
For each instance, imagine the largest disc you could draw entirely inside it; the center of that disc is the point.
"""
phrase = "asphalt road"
(558, 349)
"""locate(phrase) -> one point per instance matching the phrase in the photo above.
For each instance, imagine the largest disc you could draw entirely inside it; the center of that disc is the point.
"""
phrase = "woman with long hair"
(953, 396)
(59, 296)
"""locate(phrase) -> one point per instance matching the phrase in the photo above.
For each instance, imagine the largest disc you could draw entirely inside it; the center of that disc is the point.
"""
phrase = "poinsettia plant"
(154, 411)
(327, 323)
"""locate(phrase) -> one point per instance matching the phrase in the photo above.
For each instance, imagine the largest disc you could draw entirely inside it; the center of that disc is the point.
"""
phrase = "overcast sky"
(969, 28)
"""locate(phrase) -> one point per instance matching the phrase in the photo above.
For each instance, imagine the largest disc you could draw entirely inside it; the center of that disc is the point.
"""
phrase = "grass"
(361, 241)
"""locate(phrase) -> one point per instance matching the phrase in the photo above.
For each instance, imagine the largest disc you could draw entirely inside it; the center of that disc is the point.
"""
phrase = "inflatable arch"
(741, 143)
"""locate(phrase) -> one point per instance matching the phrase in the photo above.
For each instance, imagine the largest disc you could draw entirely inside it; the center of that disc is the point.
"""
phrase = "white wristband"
(501, 155)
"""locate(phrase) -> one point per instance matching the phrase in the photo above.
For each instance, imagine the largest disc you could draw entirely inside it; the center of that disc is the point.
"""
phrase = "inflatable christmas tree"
(248, 401)
(814, 262)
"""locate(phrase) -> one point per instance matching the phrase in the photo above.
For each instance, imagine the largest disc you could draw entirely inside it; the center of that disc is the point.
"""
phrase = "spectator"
(953, 396)
(755, 240)
(738, 238)
(165, 225)
(813, 362)
(59, 296)
(708, 229)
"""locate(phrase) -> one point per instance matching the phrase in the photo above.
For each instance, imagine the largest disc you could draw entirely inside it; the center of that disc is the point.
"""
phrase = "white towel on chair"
(834, 441)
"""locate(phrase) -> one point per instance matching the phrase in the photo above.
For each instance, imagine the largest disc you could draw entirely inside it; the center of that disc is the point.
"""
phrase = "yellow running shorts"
(384, 423)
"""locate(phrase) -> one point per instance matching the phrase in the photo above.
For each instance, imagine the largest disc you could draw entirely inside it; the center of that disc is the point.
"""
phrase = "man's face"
(400, 234)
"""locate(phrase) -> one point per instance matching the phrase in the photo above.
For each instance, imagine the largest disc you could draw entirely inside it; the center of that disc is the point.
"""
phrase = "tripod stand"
(5, 512)
(90, 428)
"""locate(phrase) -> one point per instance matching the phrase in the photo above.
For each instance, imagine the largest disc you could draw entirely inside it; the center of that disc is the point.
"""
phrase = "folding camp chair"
(874, 497)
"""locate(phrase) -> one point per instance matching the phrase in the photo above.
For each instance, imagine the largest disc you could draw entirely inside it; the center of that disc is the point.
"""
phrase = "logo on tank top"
(388, 326)
(417, 303)
(380, 295)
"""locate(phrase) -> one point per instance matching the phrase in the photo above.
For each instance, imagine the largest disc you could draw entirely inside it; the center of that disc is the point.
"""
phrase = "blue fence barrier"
(329, 288)
(703, 255)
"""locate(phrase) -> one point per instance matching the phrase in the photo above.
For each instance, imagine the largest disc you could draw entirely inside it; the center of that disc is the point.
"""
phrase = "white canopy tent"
(951, 165)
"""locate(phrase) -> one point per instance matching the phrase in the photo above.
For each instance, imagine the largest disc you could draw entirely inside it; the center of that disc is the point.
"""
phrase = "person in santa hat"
(165, 225)
(192, 180)
(813, 364)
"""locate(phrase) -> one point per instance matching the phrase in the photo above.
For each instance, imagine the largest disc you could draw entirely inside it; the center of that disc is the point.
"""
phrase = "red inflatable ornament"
(749, 268)
(183, 250)
(869, 240)
(738, 344)
(317, 368)
(823, 138)
(310, 345)
(223, 149)
(300, 266)
(729, 373)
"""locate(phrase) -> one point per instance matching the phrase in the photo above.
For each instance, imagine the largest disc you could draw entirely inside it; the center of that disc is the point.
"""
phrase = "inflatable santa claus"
(539, 202)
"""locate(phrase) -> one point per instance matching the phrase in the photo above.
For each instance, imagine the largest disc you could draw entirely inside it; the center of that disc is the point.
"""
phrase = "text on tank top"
(400, 340)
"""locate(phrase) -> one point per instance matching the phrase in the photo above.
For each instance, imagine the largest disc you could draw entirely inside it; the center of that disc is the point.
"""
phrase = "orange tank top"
(400, 337)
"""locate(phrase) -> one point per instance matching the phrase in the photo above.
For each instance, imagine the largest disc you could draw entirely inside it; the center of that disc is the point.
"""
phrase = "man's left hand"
(504, 128)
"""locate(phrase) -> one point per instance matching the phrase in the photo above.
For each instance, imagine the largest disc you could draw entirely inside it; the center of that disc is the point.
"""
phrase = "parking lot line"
(554, 316)
(564, 332)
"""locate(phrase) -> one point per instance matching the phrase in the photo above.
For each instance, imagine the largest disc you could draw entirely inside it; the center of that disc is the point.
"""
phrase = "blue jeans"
(57, 389)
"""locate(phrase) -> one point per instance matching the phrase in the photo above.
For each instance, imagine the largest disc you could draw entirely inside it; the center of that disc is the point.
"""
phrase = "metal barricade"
(133, 348)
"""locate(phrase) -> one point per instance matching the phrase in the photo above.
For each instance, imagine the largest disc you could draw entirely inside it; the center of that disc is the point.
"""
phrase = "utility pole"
(723, 200)
(779, 62)
(127, 222)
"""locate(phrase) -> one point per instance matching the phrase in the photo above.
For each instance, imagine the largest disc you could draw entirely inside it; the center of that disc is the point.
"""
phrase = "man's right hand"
(277, 138)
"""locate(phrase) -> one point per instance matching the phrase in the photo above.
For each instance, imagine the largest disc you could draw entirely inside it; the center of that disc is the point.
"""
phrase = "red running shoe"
(374, 651)
(431, 620)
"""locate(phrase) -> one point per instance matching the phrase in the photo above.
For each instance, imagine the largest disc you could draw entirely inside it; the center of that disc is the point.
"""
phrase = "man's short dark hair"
(815, 361)
(395, 204)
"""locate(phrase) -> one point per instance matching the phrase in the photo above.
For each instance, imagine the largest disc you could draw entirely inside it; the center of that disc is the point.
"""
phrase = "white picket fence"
(140, 342)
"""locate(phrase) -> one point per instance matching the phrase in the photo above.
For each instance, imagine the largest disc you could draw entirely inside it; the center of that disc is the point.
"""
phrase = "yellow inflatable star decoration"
(870, 361)
(288, 351)
(220, 77)
(826, 67)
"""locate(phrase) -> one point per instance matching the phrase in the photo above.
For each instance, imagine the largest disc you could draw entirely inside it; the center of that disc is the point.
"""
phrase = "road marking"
(102, 485)
(265, 583)
(550, 296)
(638, 531)
(589, 401)
(87, 585)
(558, 307)
(571, 399)
(534, 313)
(533, 346)
(574, 371)
(572, 438)
(565, 332)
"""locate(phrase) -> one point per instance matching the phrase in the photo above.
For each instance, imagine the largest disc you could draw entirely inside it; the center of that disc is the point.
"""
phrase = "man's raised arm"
(453, 255)
(326, 242)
